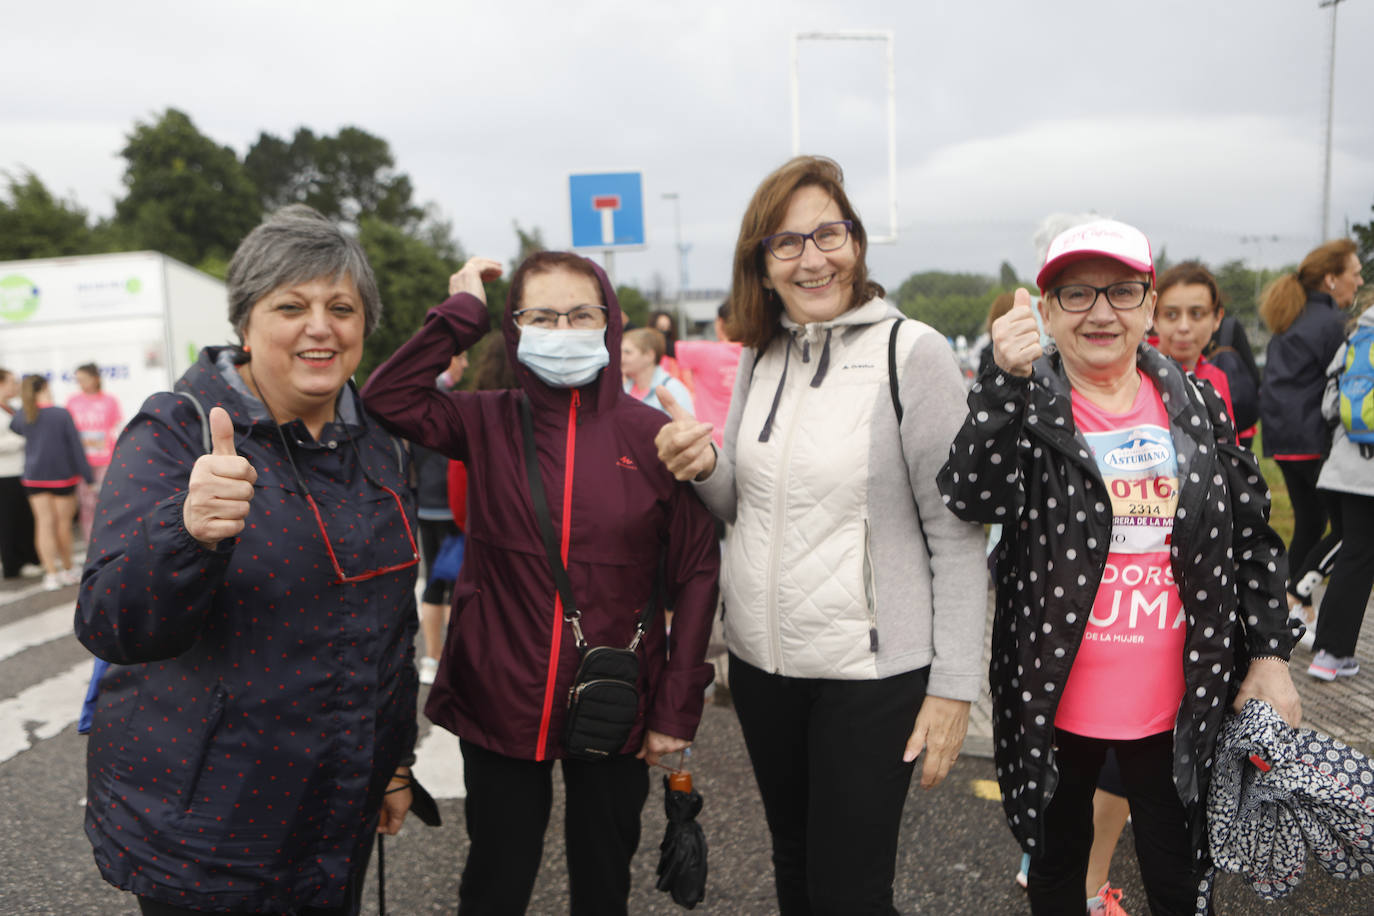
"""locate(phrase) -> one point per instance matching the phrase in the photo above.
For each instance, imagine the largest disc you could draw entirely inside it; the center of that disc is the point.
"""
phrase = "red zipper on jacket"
(556, 647)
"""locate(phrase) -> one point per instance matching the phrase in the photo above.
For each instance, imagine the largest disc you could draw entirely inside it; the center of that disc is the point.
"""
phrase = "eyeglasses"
(787, 246)
(583, 317)
(1123, 295)
(1196, 314)
(339, 577)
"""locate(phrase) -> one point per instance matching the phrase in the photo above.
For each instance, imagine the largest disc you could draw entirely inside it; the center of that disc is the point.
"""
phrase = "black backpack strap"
(560, 572)
(892, 369)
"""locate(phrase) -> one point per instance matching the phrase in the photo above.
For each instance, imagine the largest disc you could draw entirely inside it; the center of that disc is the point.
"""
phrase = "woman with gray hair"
(253, 591)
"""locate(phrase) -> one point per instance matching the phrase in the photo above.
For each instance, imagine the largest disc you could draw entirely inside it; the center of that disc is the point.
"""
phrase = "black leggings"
(827, 756)
(1347, 595)
(1311, 507)
(1158, 821)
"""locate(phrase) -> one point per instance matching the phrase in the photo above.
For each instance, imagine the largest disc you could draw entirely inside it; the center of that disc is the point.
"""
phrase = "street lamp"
(681, 261)
(1330, 111)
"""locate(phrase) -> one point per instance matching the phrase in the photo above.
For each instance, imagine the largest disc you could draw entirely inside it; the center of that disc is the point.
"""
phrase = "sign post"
(607, 211)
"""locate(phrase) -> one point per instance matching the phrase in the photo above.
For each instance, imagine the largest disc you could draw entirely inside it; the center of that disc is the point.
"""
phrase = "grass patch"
(1280, 506)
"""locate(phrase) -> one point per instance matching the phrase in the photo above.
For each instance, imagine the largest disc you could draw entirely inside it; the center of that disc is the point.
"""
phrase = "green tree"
(1239, 286)
(634, 304)
(527, 243)
(347, 177)
(187, 196)
(411, 278)
(1364, 238)
(1007, 276)
(34, 224)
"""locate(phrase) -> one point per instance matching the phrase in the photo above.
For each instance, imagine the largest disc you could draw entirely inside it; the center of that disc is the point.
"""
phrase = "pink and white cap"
(1105, 238)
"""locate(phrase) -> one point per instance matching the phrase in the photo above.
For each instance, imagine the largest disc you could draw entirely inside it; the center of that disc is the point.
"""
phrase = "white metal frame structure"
(888, 38)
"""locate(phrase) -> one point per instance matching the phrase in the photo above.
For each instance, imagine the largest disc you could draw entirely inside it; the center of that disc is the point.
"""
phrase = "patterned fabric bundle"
(1279, 793)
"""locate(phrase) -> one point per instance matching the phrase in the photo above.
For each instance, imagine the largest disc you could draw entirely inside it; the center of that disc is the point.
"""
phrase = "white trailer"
(142, 317)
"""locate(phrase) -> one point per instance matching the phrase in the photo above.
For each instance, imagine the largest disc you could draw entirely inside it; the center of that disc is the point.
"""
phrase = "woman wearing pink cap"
(1139, 588)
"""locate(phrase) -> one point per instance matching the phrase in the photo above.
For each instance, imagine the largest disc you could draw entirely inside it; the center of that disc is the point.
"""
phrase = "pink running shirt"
(712, 364)
(1127, 679)
(97, 419)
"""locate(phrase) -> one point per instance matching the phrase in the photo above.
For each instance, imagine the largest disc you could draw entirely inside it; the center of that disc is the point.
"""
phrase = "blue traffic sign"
(607, 210)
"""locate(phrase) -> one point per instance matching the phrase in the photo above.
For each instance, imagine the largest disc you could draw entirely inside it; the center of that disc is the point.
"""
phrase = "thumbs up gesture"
(684, 444)
(1016, 338)
(221, 487)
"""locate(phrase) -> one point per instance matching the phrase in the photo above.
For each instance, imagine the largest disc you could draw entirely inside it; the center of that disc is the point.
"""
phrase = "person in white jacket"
(854, 605)
(1348, 476)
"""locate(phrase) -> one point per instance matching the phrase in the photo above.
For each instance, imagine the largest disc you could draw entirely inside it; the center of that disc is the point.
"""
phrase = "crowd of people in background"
(584, 485)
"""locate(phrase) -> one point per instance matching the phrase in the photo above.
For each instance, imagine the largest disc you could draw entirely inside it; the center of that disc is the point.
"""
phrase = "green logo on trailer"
(18, 298)
(133, 286)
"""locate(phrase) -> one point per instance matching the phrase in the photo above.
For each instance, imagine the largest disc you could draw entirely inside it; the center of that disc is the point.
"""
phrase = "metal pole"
(681, 261)
(796, 98)
(1330, 116)
(610, 266)
(892, 134)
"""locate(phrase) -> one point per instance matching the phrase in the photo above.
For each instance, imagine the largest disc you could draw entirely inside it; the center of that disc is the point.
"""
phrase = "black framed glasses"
(1123, 295)
(582, 317)
(787, 246)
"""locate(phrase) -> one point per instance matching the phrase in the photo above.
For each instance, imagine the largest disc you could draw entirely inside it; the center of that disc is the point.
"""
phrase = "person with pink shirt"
(1139, 585)
(711, 365)
(98, 419)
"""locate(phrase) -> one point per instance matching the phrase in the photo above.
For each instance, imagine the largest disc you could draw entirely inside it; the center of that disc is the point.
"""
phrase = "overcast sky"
(1200, 122)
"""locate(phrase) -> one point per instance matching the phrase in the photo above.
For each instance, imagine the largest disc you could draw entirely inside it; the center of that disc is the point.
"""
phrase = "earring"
(247, 348)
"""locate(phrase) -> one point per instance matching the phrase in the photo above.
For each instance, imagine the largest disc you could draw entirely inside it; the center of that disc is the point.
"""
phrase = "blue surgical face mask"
(563, 358)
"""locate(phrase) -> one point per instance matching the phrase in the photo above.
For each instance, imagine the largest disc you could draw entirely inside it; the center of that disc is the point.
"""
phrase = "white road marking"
(37, 629)
(43, 710)
(439, 764)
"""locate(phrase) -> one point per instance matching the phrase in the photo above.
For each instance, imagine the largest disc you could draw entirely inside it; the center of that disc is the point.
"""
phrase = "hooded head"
(561, 281)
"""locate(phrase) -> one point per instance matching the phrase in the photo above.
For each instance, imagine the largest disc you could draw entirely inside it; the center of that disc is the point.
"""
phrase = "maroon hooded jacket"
(509, 658)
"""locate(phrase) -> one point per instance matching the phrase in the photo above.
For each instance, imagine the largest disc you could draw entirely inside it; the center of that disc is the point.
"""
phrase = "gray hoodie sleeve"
(932, 395)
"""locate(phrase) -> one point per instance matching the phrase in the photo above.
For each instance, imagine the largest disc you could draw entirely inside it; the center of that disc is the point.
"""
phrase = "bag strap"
(892, 369)
(560, 573)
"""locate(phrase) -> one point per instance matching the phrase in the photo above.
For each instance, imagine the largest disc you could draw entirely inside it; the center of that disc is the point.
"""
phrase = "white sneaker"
(429, 667)
(51, 582)
(70, 576)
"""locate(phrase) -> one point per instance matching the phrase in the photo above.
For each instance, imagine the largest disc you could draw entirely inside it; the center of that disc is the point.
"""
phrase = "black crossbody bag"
(603, 702)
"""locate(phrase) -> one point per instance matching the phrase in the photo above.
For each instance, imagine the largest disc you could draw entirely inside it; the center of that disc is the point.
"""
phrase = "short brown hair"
(1190, 273)
(543, 262)
(648, 339)
(755, 310)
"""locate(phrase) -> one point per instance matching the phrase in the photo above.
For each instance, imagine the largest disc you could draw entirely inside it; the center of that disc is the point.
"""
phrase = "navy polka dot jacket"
(254, 710)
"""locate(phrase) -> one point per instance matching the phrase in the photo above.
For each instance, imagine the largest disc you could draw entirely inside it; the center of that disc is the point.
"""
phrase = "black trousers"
(1158, 821)
(1311, 508)
(507, 811)
(16, 525)
(1347, 594)
(827, 756)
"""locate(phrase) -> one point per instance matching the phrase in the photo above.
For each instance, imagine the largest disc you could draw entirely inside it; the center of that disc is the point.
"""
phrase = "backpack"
(1355, 387)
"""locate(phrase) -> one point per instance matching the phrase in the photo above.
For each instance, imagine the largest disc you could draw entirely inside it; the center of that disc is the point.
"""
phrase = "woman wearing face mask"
(511, 654)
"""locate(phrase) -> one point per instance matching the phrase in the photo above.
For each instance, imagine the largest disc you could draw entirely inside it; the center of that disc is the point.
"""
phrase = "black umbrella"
(682, 854)
(1279, 794)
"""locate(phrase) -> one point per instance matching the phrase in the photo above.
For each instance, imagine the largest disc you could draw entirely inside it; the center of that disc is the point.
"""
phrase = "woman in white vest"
(854, 604)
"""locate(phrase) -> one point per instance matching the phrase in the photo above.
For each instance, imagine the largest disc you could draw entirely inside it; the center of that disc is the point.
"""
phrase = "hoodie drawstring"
(823, 363)
(777, 395)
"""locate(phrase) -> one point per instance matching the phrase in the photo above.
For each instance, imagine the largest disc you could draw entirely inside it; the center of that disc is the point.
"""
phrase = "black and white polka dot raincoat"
(1019, 460)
